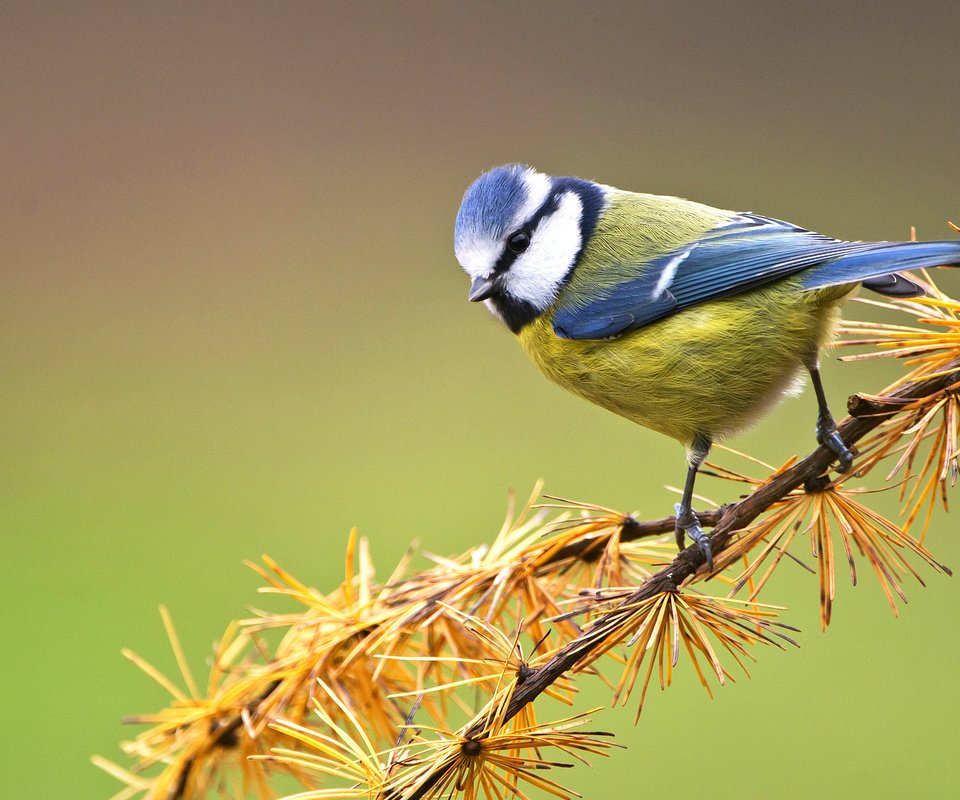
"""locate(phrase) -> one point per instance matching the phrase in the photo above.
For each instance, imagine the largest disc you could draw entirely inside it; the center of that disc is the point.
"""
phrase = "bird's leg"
(827, 433)
(687, 522)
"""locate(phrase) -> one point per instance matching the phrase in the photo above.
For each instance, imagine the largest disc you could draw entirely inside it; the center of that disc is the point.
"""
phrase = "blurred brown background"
(233, 323)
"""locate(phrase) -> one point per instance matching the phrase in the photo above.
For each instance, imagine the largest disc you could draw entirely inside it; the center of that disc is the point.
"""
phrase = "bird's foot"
(687, 523)
(829, 436)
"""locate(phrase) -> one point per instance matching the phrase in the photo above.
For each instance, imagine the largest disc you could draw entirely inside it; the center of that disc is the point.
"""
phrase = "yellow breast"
(712, 369)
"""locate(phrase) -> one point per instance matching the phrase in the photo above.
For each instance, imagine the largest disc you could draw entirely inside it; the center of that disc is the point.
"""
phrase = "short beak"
(482, 288)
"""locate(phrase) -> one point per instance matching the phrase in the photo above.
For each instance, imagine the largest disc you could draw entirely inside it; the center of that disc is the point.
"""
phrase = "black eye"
(518, 242)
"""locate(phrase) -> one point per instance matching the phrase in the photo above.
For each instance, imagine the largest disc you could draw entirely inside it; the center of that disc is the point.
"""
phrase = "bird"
(687, 319)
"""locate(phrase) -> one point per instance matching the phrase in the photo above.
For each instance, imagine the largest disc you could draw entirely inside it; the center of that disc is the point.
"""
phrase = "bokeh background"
(233, 324)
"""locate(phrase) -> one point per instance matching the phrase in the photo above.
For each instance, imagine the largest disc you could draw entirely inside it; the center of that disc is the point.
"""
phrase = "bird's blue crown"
(491, 203)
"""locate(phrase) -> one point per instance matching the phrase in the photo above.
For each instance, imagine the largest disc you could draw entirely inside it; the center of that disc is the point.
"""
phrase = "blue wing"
(750, 252)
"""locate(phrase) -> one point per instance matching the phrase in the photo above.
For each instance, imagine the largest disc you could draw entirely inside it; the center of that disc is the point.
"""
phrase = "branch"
(867, 414)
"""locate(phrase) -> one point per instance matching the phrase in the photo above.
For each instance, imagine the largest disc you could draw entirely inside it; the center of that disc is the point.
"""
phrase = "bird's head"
(519, 234)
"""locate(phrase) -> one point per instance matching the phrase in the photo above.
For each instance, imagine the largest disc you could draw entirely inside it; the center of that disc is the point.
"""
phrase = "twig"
(867, 415)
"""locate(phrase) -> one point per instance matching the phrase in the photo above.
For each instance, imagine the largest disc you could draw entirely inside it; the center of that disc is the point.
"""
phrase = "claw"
(828, 436)
(687, 523)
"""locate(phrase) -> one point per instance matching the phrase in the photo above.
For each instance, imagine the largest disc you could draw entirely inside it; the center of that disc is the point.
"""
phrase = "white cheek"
(536, 276)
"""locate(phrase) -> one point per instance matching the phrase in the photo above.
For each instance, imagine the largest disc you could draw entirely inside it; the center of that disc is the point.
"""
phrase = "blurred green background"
(233, 324)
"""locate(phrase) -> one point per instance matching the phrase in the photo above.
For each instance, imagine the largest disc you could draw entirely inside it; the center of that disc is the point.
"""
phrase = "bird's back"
(634, 230)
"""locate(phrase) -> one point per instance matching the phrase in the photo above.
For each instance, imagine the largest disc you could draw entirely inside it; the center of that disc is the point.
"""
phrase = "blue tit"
(684, 318)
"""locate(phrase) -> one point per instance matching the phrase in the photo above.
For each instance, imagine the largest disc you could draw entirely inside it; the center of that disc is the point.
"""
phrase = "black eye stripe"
(551, 204)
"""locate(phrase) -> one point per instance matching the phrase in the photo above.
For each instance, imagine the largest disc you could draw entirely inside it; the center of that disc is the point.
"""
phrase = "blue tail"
(876, 267)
